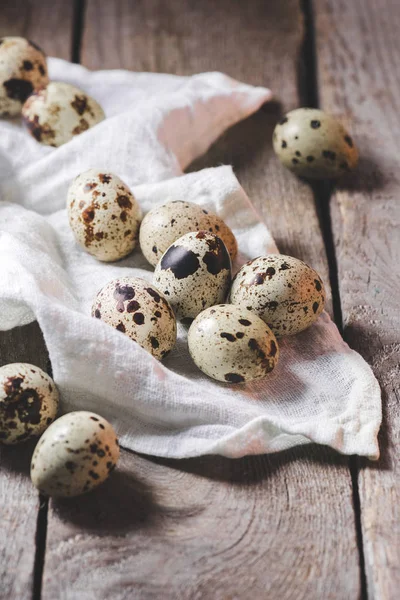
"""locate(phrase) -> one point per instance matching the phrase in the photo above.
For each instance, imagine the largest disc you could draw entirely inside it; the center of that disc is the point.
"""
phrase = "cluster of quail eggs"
(191, 251)
(234, 322)
(75, 453)
(52, 112)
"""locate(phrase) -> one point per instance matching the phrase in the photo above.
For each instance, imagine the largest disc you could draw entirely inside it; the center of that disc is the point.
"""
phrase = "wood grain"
(357, 47)
(50, 25)
(210, 528)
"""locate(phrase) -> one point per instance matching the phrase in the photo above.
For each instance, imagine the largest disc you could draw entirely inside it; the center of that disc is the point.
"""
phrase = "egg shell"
(314, 145)
(285, 292)
(23, 69)
(57, 113)
(163, 225)
(231, 344)
(194, 273)
(103, 214)
(28, 402)
(138, 309)
(76, 454)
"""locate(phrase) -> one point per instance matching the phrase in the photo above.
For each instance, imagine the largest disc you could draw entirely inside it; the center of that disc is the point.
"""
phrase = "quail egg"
(138, 309)
(57, 113)
(314, 145)
(163, 225)
(285, 292)
(76, 454)
(231, 344)
(23, 70)
(194, 273)
(28, 402)
(103, 214)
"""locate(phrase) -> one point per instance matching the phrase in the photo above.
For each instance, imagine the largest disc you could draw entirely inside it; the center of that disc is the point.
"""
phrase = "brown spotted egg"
(57, 113)
(28, 402)
(314, 145)
(76, 454)
(285, 292)
(23, 69)
(163, 225)
(138, 309)
(194, 273)
(231, 344)
(103, 214)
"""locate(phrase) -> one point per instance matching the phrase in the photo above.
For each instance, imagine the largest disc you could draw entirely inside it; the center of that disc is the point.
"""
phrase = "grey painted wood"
(358, 48)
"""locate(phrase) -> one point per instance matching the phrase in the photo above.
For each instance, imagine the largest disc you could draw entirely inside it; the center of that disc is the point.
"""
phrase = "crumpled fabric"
(156, 125)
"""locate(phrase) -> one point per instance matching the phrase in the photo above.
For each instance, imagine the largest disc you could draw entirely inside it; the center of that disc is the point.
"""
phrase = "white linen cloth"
(156, 124)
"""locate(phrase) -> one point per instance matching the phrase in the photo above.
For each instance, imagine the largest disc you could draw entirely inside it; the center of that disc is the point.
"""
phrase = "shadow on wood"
(122, 503)
(244, 142)
(367, 177)
(17, 458)
(359, 337)
(252, 470)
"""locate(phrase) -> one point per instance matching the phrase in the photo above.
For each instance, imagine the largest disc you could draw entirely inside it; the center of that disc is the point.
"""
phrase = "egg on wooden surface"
(74, 455)
(103, 214)
(139, 310)
(314, 145)
(163, 225)
(231, 344)
(57, 113)
(28, 402)
(23, 69)
(285, 292)
(194, 273)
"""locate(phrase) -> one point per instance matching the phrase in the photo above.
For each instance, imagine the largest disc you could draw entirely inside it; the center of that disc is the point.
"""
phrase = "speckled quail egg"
(28, 402)
(76, 454)
(231, 344)
(285, 292)
(314, 144)
(163, 225)
(103, 214)
(57, 113)
(138, 309)
(194, 273)
(23, 70)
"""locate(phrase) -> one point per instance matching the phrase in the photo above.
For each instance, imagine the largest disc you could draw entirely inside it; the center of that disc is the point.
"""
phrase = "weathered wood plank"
(50, 25)
(19, 502)
(210, 528)
(357, 48)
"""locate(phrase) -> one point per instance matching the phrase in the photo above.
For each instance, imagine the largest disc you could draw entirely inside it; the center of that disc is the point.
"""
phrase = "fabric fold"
(156, 124)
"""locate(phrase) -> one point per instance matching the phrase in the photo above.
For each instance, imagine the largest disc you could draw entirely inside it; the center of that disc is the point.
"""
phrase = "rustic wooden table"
(308, 523)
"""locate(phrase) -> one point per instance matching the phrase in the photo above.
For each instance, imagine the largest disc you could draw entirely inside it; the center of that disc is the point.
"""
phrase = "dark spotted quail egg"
(285, 292)
(28, 402)
(163, 225)
(23, 70)
(103, 214)
(75, 455)
(231, 344)
(57, 113)
(314, 145)
(194, 273)
(138, 309)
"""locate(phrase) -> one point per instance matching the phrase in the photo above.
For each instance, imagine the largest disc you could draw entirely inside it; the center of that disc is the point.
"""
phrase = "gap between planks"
(309, 94)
